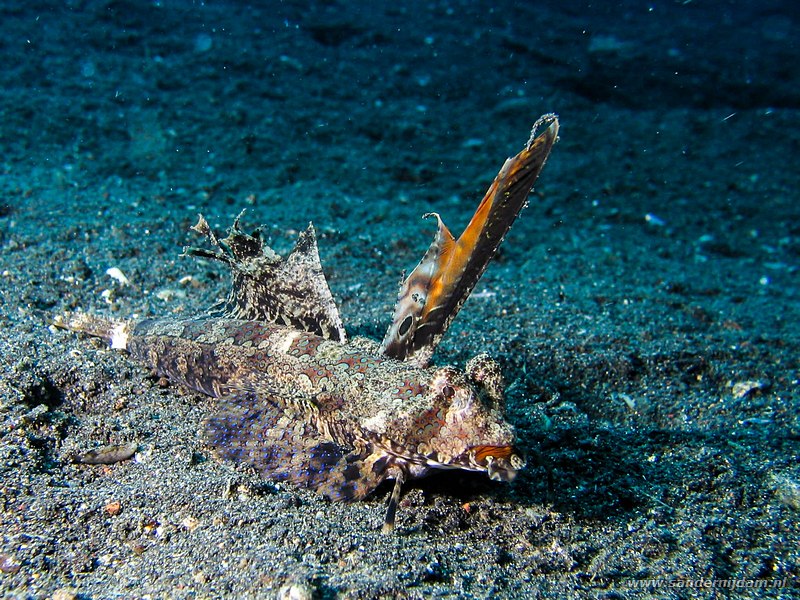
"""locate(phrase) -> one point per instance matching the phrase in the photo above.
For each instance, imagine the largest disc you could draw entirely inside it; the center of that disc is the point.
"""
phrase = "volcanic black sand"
(644, 307)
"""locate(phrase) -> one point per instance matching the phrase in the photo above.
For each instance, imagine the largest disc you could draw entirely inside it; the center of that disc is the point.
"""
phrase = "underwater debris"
(107, 455)
(117, 275)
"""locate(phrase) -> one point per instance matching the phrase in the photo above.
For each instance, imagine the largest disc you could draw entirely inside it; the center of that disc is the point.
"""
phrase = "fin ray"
(266, 287)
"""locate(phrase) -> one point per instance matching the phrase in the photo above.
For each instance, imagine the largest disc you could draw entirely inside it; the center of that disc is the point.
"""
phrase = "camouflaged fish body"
(340, 418)
(298, 402)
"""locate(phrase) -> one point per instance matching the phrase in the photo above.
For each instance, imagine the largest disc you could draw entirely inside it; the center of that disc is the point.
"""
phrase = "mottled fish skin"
(339, 418)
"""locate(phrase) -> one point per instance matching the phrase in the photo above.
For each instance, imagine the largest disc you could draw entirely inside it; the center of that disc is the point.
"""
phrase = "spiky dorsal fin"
(436, 289)
(266, 287)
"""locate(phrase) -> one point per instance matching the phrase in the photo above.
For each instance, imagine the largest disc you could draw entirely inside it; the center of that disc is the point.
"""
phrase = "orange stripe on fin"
(436, 289)
(483, 452)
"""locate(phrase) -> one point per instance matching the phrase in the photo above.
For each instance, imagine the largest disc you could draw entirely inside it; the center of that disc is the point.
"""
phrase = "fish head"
(474, 434)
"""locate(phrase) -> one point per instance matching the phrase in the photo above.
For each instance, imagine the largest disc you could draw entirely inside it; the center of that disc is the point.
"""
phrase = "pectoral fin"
(282, 446)
(266, 287)
(436, 289)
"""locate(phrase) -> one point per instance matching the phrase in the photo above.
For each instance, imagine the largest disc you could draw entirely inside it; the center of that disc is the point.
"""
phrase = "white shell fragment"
(740, 389)
(119, 337)
(170, 294)
(107, 455)
(118, 275)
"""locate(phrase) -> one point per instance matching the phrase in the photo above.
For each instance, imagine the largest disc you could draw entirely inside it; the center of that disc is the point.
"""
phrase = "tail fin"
(115, 331)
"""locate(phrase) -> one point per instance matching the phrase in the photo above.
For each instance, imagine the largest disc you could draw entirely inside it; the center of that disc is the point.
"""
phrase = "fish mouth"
(501, 463)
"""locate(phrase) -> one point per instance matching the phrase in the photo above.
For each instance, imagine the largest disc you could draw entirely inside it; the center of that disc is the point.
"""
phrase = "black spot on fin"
(266, 287)
(434, 292)
(251, 430)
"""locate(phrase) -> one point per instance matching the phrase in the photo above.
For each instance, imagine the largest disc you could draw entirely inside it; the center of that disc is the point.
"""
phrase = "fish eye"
(448, 391)
(405, 325)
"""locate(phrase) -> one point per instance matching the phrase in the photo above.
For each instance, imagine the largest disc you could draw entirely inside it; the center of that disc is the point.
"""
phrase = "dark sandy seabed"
(644, 307)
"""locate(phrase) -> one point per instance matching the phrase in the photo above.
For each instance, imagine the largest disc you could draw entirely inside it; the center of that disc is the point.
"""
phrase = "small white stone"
(118, 275)
(295, 591)
(169, 294)
(119, 337)
(740, 389)
(190, 523)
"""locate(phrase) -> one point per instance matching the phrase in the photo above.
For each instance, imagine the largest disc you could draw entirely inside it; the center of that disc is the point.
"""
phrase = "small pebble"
(107, 455)
(9, 564)
(65, 593)
(740, 389)
(35, 414)
(113, 508)
(788, 492)
(295, 591)
(200, 577)
(138, 549)
(169, 294)
(118, 276)
(190, 523)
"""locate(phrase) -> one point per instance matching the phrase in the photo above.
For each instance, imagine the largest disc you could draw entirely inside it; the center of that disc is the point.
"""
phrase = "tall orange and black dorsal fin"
(433, 293)
(291, 291)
